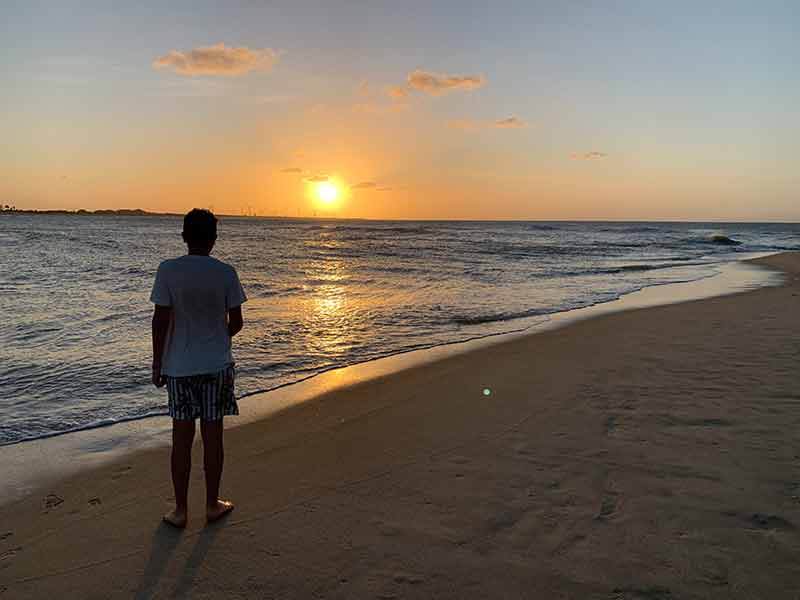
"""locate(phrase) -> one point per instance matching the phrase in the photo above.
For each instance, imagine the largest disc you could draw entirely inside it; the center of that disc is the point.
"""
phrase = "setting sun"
(327, 192)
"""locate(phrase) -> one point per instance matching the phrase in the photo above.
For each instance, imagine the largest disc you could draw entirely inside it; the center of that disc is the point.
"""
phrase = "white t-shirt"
(200, 290)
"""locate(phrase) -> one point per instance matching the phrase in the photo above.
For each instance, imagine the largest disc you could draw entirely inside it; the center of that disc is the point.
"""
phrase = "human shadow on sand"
(196, 559)
(165, 540)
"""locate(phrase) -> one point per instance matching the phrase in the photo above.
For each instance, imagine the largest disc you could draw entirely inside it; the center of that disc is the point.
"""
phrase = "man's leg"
(182, 438)
(213, 458)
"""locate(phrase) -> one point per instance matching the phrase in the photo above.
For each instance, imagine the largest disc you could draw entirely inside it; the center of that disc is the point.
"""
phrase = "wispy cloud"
(364, 185)
(317, 178)
(436, 84)
(383, 189)
(292, 170)
(473, 124)
(589, 155)
(510, 123)
(218, 59)
(372, 99)
(397, 92)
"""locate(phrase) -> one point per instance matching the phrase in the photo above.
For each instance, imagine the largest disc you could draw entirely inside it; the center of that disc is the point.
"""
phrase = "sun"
(327, 192)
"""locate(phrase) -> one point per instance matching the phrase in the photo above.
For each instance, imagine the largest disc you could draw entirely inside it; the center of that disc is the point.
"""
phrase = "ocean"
(75, 328)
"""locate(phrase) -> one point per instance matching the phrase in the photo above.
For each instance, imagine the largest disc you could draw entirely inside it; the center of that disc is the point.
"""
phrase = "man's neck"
(199, 252)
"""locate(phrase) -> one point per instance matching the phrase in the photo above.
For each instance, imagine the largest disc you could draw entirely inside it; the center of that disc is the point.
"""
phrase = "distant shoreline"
(138, 212)
(132, 212)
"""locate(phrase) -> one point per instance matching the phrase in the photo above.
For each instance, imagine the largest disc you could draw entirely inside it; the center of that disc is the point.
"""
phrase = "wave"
(499, 317)
(651, 267)
(774, 248)
(487, 277)
(723, 240)
(632, 229)
(369, 228)
(540, 227)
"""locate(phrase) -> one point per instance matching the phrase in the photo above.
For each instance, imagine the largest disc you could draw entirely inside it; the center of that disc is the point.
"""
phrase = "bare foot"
(222, 508)
(176, 518)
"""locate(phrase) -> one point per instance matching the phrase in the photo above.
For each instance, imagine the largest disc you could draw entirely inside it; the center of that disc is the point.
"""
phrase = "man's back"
(200, 290)
(198, 310)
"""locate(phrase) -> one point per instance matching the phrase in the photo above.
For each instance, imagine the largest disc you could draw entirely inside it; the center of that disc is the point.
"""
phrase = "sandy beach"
(649, 454)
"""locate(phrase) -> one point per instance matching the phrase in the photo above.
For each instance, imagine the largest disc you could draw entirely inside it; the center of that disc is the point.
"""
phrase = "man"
(198, 309)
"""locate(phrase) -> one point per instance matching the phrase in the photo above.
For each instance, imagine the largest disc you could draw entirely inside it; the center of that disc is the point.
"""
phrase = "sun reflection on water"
(329, 309)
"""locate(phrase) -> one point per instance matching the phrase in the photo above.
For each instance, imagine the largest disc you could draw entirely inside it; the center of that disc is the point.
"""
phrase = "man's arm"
(235, 321)
(161, 318)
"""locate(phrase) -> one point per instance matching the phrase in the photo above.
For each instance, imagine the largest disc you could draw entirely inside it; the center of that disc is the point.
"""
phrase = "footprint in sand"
(10, 553)
(770, 522)
(121, 472)
(95, 501)
(408, 578)
(51, 501)
(611, 424)
(6, 535)
(610, 505)
(648, 593)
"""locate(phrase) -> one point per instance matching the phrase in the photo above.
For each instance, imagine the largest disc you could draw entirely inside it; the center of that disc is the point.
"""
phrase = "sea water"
(75, 326)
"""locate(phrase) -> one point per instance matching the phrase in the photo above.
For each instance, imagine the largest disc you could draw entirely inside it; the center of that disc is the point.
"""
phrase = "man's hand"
(162, 315)
(235, 321)
(159, 380)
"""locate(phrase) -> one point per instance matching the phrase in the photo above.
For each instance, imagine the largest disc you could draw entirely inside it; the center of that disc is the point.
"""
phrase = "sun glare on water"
(327, 192)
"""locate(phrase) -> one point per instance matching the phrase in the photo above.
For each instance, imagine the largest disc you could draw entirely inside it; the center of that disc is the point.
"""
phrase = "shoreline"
(30, 466)
(644, 453)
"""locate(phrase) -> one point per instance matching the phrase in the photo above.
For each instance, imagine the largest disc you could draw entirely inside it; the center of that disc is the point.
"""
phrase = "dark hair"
(200, 225)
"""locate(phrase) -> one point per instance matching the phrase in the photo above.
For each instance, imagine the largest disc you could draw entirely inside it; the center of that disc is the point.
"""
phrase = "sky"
(607, 110)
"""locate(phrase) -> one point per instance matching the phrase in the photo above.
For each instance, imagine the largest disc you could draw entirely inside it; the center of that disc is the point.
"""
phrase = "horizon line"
(139, 212)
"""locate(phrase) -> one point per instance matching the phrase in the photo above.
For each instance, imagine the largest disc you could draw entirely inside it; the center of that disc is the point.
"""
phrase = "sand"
(649, 454)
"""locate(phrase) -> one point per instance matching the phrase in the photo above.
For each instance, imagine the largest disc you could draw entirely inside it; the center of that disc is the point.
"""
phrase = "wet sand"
(648, 454)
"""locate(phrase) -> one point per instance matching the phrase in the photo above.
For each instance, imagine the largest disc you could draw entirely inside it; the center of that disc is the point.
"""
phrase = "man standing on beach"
(198, 309)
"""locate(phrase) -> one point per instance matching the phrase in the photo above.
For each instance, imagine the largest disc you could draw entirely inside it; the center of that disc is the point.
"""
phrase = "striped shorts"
(208, 396)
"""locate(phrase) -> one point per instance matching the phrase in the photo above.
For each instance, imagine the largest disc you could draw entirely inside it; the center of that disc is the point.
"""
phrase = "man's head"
(200, 229)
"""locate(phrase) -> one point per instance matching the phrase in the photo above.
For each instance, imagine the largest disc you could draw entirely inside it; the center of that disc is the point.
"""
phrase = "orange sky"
(587, 117)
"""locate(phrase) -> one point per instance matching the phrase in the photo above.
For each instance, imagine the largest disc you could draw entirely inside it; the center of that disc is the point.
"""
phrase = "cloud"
(433, 84)
(510, 123)
(436, 85)
(473, 124)
(218, 59)
(364, 87)
(383, 189)
(397, 92)
(292, 170)
(589, 155)
(364, 185)
(317, 178)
